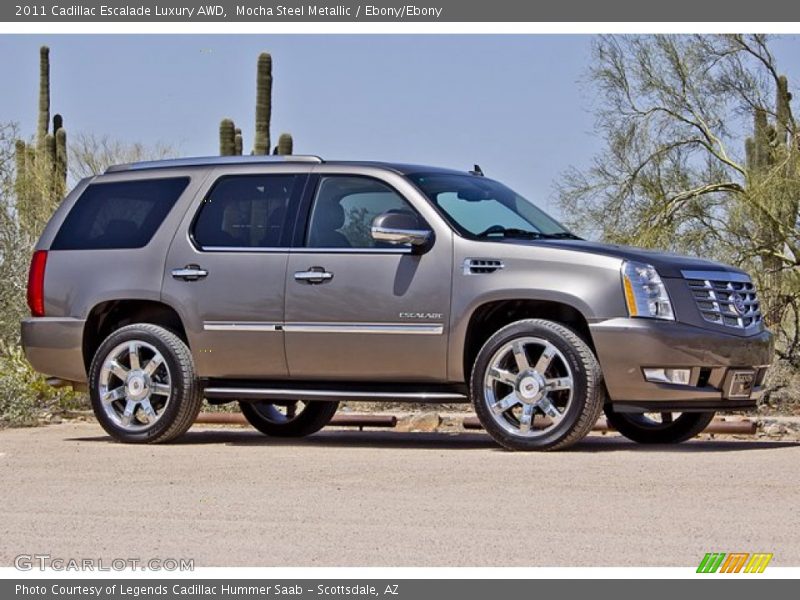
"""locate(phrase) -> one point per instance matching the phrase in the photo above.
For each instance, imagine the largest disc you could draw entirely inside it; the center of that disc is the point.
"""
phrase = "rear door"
(357, 310)
(226, 270)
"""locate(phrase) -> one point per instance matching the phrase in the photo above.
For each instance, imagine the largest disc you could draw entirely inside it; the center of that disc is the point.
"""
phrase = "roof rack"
(202, 161)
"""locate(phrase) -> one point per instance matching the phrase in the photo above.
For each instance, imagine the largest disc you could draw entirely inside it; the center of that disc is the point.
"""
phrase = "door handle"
(313, 275)
(189, 273)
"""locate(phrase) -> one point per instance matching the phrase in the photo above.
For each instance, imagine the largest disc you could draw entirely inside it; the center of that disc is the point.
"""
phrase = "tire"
(156, 402)
(643, 429)
(556, 374)
(269, 420)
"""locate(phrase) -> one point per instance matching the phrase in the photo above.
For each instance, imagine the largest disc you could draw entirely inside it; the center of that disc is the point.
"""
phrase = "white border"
(269, 27)
(383, 28)
(399, 573)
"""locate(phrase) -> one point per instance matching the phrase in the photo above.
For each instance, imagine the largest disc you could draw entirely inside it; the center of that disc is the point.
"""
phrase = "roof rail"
(202, 161)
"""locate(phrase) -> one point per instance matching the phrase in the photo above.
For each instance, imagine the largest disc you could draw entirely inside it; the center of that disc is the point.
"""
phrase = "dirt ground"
(232, 497)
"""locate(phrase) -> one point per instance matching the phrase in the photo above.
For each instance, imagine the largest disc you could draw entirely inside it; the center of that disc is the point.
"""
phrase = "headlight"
(645, 293)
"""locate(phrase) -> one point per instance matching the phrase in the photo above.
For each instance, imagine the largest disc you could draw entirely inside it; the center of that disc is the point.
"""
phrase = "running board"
(253, 394)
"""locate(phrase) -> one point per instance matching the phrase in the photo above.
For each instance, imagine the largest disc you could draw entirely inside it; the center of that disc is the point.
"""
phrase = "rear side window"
(125, 214)
(246, 211)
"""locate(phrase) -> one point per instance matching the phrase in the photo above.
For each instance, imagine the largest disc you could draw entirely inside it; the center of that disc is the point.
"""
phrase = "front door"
(357, 310)
(226, 270)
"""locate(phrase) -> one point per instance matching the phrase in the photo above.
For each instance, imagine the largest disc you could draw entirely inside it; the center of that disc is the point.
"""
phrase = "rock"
(425, 422)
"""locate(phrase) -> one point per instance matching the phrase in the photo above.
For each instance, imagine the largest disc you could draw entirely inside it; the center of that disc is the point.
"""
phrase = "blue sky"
(513, 104)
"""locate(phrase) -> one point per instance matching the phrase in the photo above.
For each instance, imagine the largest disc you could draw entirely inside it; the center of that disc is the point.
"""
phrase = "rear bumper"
(626, 346)
(54, 346)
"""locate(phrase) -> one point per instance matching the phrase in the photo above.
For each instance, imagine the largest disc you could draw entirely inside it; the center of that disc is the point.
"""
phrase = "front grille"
(727, 299)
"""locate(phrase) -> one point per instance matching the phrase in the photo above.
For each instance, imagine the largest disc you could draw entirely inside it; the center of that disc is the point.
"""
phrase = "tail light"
(36, 283)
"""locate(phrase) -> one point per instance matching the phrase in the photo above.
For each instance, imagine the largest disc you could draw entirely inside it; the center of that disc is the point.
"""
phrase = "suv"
(288, 284)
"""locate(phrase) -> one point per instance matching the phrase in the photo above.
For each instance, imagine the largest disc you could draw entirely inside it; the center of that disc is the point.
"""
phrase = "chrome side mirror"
(400, 228)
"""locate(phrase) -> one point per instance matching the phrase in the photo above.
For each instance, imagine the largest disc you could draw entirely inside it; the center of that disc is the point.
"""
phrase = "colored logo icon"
(734, 562)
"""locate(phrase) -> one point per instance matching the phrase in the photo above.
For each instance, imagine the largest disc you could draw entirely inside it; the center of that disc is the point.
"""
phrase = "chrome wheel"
(281, 413)
(134, 386)
(528, 387)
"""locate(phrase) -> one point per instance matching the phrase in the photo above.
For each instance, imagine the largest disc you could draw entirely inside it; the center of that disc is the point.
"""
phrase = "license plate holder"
(739, 384)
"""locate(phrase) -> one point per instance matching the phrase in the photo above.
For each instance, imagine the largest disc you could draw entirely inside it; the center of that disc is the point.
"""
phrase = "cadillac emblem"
(737, 303)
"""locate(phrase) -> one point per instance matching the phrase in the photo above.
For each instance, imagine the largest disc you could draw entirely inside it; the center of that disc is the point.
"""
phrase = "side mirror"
(400, 228)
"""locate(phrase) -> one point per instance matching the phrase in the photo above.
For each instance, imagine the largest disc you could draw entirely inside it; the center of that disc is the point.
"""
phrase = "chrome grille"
(723, 298)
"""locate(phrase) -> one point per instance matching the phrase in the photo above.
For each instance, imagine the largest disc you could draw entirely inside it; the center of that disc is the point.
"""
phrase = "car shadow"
(445, 441)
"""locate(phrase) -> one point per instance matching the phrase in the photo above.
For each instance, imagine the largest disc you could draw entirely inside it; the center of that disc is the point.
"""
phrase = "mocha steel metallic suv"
(288, 284)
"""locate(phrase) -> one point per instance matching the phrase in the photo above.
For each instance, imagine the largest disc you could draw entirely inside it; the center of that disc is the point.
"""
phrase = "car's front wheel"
(143, 385)
(536, 385)
(294, 418)
(658, 428)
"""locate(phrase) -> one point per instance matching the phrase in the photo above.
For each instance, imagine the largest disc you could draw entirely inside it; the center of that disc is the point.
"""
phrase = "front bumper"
(626, 346)
(54, 346)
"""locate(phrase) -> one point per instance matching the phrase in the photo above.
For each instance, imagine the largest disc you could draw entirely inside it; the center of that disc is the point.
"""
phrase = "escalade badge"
(737, 302)
(420, 315)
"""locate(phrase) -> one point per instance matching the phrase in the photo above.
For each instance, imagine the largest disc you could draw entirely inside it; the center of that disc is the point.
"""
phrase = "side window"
(245, 211)
(344, 208)
(123, 214)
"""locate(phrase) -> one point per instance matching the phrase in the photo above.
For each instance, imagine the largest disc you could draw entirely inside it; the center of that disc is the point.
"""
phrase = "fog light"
(673, 376)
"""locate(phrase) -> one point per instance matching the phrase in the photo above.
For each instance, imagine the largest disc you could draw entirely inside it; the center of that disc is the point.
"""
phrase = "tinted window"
(344, 208)
(246, 211)
(118, 215)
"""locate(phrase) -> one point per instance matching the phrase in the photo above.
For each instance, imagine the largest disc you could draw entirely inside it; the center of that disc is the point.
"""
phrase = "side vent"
(482, 266)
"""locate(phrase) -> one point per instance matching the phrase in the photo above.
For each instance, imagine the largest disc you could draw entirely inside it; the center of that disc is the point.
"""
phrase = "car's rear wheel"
(143, 385)
(536, 385)
(658, 428)
(294, 418)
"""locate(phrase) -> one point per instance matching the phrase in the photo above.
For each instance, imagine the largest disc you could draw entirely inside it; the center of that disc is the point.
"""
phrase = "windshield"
(482, 208)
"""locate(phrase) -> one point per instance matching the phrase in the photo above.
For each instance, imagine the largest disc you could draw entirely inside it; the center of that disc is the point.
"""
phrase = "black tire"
(581, 409)
(185, 397)
(265, 417)
(640, 428)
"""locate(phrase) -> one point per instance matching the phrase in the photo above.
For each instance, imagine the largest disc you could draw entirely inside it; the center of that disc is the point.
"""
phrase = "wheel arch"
(107, 316)
(488, 317)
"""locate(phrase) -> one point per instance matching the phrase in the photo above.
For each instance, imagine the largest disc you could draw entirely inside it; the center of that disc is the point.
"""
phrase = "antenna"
(476, 170)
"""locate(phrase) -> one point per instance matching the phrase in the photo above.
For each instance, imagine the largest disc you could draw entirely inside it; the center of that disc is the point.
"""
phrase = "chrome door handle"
(189, 273)
(313, 275)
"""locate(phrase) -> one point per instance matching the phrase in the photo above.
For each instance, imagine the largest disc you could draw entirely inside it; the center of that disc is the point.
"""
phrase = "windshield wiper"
(564, 235)
(509, 232)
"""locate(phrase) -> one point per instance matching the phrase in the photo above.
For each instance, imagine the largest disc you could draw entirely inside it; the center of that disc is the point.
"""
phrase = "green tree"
(700, 156)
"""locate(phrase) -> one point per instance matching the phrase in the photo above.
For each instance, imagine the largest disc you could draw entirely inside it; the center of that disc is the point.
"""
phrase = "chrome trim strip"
(351, 250)
(382, 328)
(242, 249)
(240, 326)
(288, 393)
(717, 276)
(233, 249)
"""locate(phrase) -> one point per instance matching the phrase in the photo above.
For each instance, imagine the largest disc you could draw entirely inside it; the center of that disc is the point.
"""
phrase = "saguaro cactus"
(238, 142)
(227, 137)
(285, 144)
(263, 103)
(44, 96)
(232, 141)
(41, 167)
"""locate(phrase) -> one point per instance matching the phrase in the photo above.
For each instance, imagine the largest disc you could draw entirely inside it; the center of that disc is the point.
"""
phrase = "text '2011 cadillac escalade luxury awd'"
(291, 283)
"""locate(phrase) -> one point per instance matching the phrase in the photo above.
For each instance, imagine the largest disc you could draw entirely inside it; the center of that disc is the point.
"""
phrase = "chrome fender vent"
(482, 266)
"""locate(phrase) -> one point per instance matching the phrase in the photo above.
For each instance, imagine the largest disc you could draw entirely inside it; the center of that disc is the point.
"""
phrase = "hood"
(666, 263)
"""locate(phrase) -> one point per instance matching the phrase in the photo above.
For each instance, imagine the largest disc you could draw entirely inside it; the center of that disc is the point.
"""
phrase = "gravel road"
(232, 497)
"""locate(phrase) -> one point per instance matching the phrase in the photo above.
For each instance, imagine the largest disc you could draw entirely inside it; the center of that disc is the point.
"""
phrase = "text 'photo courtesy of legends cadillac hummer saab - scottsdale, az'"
(290, 283)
